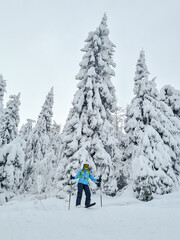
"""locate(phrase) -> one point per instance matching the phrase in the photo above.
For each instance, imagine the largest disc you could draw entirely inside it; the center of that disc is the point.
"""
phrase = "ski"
(92, 204)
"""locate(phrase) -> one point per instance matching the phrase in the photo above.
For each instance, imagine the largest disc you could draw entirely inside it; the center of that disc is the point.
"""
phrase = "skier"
(84, 175)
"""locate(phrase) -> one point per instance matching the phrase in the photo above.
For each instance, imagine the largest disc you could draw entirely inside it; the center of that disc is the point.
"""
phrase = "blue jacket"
(84, 177)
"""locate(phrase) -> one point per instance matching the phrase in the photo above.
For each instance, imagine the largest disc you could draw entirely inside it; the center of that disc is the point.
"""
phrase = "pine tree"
(53, 155)
(11, 168)
(10, 121)
(55, 140)
(46, 113)
(171, 97)
(26, 129)
(37, 149)
(150, 141)
(2, 91)
(11, 152)
(89, 135)
(122, 168)
(118, 120)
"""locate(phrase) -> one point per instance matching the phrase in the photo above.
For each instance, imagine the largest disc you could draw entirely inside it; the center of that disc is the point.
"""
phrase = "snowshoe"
(92, 204)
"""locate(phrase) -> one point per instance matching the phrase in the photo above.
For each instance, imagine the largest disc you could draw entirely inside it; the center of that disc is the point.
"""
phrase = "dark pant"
(79, 194)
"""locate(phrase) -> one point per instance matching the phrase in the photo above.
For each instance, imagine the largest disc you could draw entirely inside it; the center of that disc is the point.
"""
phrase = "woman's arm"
(92, 178)
(77, 175)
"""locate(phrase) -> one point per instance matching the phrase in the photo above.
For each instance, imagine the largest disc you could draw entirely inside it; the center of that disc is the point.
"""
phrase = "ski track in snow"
(121, 218)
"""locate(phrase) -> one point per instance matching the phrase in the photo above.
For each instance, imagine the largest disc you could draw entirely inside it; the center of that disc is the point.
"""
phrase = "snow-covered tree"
(37, 149)
(89, 135)
(26, 129)
(121, 170)
(55, 140)
(2, 91)
(171, 97)
(11, 168)
(52, 156)
(119, 119)
(150, 143)
(46, 113)
(10, 120)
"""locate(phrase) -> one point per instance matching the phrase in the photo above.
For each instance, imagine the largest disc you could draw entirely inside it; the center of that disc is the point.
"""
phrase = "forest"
(137, 147)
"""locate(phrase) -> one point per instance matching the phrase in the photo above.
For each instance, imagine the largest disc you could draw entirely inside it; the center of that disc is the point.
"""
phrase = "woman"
(83, 184)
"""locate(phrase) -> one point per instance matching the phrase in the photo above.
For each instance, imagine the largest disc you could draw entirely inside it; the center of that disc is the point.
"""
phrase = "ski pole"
(100, 179)
(70, 194)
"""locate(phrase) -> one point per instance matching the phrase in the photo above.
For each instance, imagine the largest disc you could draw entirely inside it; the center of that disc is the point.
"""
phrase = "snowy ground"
(120, 218)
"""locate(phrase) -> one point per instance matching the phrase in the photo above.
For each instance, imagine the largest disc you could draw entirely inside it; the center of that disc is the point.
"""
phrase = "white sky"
(40, 42)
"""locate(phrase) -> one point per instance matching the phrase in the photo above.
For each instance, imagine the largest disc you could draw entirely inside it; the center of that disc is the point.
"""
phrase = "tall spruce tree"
(150, 142)
(26, 129)
(12, 150)
(52, 156)
(89, 135)
(122, 168)
(171, 97)
(37, 149)
(10, 120)
(55, 140)
(11, 168)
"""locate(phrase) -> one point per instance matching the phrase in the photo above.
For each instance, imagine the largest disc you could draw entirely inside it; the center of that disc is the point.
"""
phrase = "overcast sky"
(40, 42)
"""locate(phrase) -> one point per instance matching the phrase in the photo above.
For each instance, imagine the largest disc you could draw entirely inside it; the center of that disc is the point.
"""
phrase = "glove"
(98, 184)
(99, 179)
(71, 177)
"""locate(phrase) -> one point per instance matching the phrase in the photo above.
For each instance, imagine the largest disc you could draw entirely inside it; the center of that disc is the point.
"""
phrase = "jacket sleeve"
(92, 178)
(77, 175)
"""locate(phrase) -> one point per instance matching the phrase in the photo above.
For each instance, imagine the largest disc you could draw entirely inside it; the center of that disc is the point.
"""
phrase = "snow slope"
(120, 218)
